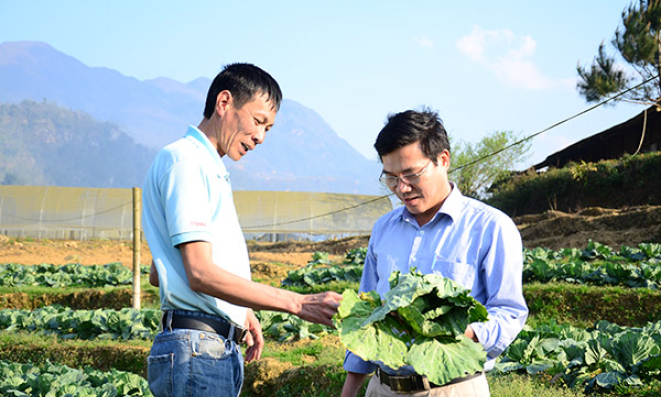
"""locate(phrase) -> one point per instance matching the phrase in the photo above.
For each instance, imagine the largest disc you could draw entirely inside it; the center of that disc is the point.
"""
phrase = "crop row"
(129, 324)
(597, 264)
(597, 358)
(59, 380)
(83, 324)
(69, 275)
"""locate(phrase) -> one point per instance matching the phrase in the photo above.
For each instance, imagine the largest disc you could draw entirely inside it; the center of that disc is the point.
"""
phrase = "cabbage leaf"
(420, 323)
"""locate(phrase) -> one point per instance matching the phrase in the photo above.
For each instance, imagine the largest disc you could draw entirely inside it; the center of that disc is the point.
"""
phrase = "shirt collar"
(451, 207)
(198, 136)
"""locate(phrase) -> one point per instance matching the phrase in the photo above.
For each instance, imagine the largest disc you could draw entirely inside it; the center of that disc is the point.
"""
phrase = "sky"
(484, 66)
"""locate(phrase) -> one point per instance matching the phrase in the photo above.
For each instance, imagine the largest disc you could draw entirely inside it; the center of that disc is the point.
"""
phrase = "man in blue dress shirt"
(438, 230)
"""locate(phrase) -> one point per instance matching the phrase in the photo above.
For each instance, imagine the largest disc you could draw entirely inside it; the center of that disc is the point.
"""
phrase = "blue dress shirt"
(468, 241)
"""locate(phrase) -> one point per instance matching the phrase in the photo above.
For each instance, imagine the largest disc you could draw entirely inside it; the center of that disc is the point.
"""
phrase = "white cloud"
(424, 42)
(508, 56)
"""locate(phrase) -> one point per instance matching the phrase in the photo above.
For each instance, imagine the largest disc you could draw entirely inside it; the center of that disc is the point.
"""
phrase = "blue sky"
(485, 66)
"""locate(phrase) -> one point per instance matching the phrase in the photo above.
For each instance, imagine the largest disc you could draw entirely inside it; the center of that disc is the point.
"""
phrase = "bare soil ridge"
(551, 229)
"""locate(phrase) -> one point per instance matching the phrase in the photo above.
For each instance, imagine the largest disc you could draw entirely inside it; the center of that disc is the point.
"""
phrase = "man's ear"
(444, 159)
(223, 101)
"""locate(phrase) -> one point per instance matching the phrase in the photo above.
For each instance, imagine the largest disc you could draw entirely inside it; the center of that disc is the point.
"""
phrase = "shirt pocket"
(462, 273)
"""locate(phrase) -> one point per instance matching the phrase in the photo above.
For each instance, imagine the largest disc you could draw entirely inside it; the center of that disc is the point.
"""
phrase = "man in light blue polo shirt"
(200, 259)
(438, 230)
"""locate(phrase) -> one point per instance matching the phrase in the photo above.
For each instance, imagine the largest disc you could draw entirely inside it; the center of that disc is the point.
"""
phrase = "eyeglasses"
(410, 179)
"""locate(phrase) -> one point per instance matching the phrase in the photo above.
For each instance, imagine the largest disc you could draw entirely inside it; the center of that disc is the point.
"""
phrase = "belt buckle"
(406, 384)
(242, 335)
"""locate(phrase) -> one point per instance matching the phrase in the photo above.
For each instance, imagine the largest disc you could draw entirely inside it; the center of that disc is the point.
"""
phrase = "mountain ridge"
(301, 152)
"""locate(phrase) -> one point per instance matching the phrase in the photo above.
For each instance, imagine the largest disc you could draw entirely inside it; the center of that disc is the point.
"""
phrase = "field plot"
(594, 324)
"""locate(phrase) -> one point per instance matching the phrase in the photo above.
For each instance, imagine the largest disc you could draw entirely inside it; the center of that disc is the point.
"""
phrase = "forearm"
(207, 278)
(503, 326)
(214, 281)
(352, 383)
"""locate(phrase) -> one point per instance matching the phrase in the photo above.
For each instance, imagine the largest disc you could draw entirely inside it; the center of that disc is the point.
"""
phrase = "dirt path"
(30, 252)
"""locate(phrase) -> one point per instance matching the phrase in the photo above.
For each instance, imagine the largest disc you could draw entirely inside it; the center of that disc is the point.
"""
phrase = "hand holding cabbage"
(420, 322)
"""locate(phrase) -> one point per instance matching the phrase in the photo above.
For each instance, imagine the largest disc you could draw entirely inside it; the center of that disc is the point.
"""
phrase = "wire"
(68, 219)
(476, 161)
(480, 159)
(554, 125)
(642, 136)
(316, 216)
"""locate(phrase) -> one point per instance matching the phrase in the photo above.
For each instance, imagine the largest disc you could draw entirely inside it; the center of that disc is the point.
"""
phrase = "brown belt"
(415, 383)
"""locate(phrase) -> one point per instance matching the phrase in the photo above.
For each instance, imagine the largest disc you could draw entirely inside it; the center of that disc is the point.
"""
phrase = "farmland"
(50, 326)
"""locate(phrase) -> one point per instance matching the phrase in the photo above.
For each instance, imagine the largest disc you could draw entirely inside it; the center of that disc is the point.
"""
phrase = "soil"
(551, 229)
(613, 227)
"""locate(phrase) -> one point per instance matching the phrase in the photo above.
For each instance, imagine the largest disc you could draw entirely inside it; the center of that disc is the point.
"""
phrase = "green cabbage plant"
(420, 323)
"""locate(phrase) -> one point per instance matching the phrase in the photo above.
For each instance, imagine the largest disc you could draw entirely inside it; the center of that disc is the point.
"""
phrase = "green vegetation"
(305, 359)
(285, 327)
(104, 355)
(420, 321)
(597, 264)
(598, 358)
(320, 270)
(44, 144)
(583, 305)
(475, 167)
(78, 298)
(626, 182)
(69, 275)
(123, 324)
(638, 41)
(58, 380)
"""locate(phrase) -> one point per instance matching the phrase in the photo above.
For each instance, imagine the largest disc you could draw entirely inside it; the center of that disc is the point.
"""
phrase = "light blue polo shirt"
(186, 197)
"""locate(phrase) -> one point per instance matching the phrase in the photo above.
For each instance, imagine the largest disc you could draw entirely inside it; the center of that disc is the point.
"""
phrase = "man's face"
(242, 129)
(427, 192)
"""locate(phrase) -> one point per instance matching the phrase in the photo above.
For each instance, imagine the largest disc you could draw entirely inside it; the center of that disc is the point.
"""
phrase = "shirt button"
(422, 232)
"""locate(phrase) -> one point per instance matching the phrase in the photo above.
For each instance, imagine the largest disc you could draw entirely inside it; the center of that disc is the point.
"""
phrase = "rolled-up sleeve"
(502, 272)
(368, 282)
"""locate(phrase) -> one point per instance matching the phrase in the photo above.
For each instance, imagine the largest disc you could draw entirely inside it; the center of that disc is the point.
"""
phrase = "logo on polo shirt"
(198, 224)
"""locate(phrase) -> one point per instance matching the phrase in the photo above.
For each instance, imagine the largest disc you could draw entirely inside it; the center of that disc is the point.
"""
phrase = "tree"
(638, 42)
(475, 167)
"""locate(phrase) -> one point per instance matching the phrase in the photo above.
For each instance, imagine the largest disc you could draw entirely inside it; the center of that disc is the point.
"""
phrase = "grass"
(101, 354)
(582, 305)
(31, 297)
(513, 385)
(326, 350)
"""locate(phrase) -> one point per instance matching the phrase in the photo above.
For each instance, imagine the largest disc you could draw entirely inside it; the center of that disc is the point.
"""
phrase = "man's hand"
(153, 275)
(319, 308)
(254, 337)
(470, 334)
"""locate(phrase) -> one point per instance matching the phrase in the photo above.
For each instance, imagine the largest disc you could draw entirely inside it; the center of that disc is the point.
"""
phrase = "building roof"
(624, 138)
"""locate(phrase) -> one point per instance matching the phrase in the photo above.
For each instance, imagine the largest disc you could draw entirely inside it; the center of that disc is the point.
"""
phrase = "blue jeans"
(185, 362)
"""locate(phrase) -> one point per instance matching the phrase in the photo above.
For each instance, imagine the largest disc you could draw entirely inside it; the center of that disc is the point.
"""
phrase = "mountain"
(301, 152)
(43, 144)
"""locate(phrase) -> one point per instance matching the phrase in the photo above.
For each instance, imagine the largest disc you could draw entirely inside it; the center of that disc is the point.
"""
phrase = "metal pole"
(137, 211)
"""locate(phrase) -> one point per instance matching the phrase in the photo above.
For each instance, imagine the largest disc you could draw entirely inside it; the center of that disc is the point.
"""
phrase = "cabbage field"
(566, 349)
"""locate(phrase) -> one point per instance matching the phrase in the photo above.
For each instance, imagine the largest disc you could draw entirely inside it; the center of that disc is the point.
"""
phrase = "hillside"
(44, 144)
(301, 152)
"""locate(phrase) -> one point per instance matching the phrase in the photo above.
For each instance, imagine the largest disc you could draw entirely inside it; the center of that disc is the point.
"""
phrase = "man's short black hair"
(411, 126)
(244, 81)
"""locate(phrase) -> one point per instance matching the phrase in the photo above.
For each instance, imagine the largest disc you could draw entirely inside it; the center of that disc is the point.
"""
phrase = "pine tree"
(638, 42)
